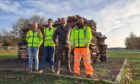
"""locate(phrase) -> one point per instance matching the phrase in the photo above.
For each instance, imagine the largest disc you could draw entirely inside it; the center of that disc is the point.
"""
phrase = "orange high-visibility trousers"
(83, 53)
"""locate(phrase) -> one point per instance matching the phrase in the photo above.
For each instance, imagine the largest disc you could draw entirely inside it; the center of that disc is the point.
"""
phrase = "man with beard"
(80, 40)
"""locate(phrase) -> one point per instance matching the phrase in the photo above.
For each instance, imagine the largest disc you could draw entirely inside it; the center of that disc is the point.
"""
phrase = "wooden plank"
(78, 78)
(119, 76)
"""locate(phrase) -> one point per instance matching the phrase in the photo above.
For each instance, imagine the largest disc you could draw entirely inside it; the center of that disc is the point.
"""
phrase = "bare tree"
(38, 19)
(132, 42)
(20, 23)
(5, 37)
(23, 23)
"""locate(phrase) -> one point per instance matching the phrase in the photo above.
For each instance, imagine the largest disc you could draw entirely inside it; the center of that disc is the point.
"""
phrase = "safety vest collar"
(83, 27)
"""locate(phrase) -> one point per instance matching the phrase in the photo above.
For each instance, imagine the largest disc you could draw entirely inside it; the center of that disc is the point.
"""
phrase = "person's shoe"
(89, 76)
(36, 70)
(70, 72)
(29, 70)
(58, 72)
(40, 71)
(52, 71)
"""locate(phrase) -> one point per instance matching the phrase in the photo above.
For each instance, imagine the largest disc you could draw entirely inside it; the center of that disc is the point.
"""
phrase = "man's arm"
(89, 35)
(55, 36)
(27, 36)
(40, 36)
(71, 37)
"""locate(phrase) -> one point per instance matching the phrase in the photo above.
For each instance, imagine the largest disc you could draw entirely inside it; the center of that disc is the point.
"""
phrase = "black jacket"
(62, 35)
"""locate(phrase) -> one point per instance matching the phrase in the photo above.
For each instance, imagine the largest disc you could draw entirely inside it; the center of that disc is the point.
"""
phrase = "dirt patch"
(103, 70)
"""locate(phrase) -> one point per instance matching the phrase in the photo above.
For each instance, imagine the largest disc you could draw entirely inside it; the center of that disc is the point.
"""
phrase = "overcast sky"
(114, 18)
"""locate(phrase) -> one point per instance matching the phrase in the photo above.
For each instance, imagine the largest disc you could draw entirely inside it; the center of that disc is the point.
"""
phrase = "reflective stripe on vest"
(82, 55)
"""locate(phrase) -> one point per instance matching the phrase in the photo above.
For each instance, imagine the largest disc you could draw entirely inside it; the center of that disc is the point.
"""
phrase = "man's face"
(63, 21)
(80, 21)
(50, 23)
(34, 26)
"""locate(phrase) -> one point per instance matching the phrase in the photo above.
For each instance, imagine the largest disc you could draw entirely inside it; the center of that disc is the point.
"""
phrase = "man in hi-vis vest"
(34, 39)
(80, 40)
(49, 48)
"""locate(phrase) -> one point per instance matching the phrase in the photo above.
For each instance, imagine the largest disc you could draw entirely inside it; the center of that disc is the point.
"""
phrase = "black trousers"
(63, 55)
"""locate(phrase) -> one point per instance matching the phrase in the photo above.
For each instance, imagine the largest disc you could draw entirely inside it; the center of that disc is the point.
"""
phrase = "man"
(80, 40)
(61, 37)
(49, 47)
(34, 39)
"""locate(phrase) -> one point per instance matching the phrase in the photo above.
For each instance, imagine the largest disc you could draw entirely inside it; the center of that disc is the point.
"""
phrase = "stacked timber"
(22, 45)
(102, 47)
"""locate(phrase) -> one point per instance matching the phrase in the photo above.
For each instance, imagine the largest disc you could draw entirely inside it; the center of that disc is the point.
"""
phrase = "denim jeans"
(48, 56)
(33, 53)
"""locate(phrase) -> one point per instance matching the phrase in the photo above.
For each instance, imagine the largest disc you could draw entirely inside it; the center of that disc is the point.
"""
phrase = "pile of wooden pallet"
(22, 46)
(101, 46)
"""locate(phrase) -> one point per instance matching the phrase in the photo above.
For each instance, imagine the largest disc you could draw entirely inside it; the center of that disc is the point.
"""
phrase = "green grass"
(124, 54)
(11, 55)
(132, 56)
(136, 73)
(8, 53)
(21, 78)
(13, 77)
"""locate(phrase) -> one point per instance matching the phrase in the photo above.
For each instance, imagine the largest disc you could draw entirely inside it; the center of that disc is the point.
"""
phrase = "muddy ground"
(102, 70)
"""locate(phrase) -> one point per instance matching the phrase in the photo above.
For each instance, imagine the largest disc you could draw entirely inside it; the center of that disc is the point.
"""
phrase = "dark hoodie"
(62, 35)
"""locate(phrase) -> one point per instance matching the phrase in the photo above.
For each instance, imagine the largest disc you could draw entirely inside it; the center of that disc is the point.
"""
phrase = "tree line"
(13, 37)
(132, 42)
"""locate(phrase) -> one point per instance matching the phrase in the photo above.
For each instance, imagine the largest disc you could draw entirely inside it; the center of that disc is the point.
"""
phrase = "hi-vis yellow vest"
(34, 39)
(81, 37)
(48, 34)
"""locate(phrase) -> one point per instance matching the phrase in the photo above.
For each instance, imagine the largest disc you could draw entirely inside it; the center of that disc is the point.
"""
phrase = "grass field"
(20, 78)
(124, 54)
(8, 53)
(133, 57)
(25, 78)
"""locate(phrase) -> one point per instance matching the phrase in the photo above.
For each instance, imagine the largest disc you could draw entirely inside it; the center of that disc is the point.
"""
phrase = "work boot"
(58, 72)
(41, 70)
(36, 70)
(69, 72)
(89, 76)
(52, 70)
(29, 70)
